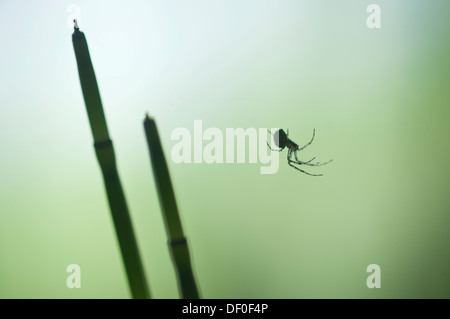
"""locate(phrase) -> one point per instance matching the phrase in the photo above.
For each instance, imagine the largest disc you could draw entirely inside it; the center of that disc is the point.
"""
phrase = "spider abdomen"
(280, 139)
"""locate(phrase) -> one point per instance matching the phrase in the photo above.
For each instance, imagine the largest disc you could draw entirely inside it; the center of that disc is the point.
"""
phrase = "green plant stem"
(177, 241)
(107, 161)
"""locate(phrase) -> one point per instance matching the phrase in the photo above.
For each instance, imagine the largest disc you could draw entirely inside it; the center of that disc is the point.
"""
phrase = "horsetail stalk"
(107, 161)
(177, 241)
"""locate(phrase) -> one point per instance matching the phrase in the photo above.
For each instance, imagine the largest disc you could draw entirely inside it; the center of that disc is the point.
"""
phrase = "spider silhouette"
(282, 140)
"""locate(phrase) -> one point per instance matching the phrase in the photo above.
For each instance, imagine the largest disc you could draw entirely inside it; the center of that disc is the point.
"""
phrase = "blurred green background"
(378, 98)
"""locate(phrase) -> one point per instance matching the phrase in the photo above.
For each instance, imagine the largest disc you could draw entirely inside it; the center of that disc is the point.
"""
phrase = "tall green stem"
(107, 161)
(177, 241)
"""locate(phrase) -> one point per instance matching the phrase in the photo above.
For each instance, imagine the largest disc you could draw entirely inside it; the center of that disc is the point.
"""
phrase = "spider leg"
(295, 154)
(290, 161)
(311, 164)
(298, 169)
(314, 134)
(269, 145)
(310, 159)
(273, 148)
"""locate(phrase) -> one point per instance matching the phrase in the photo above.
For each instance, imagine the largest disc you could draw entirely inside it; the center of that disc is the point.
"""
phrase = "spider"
(282, 140)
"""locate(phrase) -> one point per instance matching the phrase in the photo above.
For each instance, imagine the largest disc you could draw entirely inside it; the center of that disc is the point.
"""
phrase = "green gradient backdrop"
(379, 100)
